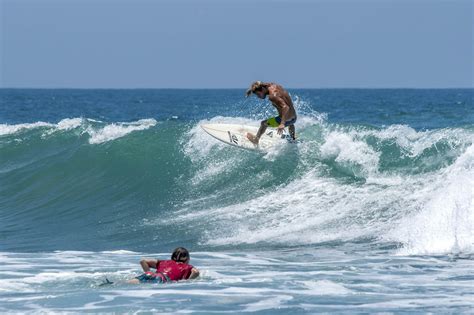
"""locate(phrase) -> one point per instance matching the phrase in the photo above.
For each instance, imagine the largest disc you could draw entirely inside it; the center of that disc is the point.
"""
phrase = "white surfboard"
(236, 135)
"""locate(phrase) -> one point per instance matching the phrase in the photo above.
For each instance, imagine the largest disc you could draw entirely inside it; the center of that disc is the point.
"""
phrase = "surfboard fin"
(106, 282)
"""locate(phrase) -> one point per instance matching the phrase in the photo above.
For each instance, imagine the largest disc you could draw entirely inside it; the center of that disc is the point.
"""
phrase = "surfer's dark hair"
(180, 254)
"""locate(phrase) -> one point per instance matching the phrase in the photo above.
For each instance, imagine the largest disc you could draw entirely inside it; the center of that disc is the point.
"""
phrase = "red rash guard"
(174, 270)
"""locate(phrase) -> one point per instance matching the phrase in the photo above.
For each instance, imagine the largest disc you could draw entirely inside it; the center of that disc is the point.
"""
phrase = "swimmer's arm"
(194, 274)
(149, 263)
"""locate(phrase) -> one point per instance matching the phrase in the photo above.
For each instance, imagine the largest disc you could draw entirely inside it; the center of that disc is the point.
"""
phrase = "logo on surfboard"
(233, 139)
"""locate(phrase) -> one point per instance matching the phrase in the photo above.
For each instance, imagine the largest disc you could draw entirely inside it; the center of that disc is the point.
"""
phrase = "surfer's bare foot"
(252, 138)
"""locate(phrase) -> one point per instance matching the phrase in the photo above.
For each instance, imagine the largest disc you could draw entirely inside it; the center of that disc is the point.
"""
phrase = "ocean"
(371, 211)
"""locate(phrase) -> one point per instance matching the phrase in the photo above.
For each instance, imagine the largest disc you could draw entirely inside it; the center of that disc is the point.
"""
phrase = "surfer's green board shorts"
(275, 122)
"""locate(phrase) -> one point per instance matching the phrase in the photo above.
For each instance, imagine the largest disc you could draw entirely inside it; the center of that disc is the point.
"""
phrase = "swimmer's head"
(180, 254)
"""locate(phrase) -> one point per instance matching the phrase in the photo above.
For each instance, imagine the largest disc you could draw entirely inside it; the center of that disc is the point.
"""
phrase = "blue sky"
(229, 43)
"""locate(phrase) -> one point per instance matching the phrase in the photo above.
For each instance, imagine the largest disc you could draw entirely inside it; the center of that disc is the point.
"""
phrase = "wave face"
(373, 173)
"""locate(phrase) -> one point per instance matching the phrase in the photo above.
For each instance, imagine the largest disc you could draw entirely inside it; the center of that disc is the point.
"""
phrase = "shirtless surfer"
(282, 101)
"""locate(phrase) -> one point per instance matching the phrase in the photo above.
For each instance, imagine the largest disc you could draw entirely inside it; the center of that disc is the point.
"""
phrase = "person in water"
(178, 268)
(282, 101)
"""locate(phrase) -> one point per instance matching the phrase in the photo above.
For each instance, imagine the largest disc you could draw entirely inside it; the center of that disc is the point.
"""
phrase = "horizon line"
(233, 88)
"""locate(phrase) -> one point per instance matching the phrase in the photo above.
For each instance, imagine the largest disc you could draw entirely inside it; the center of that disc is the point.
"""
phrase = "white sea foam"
(309, 210)
(345, 150)
(414, 143)
(69, 123)
(6, 129)
(118, 130)
(312, 279)
(120, 252)
(63, 125)
(98, 133)
(274, 302)
(445, 224)
(325, 287)
(43, 277)
(217, 168)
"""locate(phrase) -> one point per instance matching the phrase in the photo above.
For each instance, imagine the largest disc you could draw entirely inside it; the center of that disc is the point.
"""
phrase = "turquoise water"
(372, 211)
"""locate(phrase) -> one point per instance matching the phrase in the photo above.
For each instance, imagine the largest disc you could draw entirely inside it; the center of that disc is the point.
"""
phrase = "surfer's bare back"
(282, 102)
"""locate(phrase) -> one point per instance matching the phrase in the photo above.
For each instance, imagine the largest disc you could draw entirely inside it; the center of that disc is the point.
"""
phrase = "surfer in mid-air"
(282, 101)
